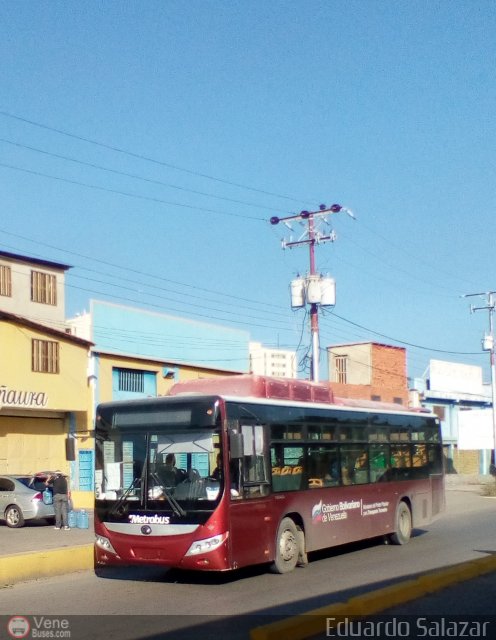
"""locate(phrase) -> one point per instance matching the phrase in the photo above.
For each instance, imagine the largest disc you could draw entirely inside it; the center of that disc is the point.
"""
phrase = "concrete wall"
(359, 363)
(20, 302)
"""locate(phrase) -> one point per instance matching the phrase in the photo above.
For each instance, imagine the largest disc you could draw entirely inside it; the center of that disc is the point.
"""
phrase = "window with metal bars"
(131, 380)
(341, 369)
(43, 287)
(5, 281)
(45, 356)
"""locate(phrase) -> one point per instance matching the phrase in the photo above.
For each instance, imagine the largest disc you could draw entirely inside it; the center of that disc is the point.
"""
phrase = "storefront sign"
(16, 398)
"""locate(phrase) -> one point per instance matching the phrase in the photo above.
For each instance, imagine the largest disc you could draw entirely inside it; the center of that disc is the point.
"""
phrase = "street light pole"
(488, 345)
(314, 310)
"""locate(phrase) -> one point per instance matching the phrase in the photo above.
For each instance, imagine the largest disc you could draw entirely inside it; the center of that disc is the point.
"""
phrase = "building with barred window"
(369, 371)
(45, 402)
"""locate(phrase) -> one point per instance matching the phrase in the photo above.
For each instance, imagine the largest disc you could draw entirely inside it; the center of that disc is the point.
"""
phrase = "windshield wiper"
(120, 501)
(175, 506)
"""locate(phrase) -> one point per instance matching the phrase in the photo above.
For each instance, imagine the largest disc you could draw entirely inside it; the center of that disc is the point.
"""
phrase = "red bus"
(230, 472)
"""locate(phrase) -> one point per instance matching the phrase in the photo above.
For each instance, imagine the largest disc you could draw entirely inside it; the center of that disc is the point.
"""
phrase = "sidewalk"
(37, 550)
(467, 482)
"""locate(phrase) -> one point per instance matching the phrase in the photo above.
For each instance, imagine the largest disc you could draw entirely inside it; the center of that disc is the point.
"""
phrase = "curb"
(43, 564)
(313, 623)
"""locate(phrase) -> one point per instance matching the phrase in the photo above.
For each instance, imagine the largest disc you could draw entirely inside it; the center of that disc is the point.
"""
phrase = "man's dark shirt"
(59, 484)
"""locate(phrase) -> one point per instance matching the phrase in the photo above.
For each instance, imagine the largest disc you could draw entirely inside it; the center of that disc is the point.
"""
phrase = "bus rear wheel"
(403, 525)
(287, 547)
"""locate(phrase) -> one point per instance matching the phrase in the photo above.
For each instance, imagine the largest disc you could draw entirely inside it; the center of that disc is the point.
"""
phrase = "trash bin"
(72, 519)
(82, 520)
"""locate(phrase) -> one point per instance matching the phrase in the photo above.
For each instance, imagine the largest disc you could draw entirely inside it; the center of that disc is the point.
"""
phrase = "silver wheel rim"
(13, 516)
(288, 546)
(404, 523)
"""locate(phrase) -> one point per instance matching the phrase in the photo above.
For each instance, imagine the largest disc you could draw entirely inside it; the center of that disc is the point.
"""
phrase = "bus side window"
(400, 456)
(379, 462)
(354, 464)
(361, 470)
(253, 476)
(419, 458)
(323, 467)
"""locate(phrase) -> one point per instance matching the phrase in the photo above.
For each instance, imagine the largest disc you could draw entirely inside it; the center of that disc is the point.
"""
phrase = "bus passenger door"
(251, 521)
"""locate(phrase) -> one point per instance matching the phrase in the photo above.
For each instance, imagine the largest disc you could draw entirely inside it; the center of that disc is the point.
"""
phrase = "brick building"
(369, 371)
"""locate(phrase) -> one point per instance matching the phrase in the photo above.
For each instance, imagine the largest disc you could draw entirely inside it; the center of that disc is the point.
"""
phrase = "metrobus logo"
(156, 519)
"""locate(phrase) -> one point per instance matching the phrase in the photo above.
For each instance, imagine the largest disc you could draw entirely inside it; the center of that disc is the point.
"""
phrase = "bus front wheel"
(287, 547)
(403, 525)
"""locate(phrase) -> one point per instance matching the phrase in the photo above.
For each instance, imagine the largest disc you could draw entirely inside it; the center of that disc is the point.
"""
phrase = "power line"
(200, 315)
(409, 344)
(439, 288)
(416, 256)
(159, 297)
(147, 158)
(332, 314)
(129, 195)
(132, 175)
(136, 271)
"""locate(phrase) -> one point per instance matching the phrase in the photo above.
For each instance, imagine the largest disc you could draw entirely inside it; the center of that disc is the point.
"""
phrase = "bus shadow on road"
(177, 576)
(180, 576)
(334, 552)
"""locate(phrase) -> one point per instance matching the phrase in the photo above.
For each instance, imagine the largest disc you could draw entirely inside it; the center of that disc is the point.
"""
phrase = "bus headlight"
(206, 545)
(105, 544)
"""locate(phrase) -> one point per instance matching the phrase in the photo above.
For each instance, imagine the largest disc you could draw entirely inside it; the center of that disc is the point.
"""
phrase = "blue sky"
(158, 138)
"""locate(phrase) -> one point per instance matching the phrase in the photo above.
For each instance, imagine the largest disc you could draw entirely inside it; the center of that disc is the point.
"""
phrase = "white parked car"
(22, 498)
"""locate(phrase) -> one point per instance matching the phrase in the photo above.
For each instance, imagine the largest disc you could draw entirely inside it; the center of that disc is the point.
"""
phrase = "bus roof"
(256, 386)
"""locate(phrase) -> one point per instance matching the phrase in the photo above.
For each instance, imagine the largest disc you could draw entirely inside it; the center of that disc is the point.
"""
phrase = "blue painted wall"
(130, 331)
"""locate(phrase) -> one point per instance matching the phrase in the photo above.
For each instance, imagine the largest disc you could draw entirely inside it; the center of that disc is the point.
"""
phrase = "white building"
(33, 288)
(280, 363)
(456, 393)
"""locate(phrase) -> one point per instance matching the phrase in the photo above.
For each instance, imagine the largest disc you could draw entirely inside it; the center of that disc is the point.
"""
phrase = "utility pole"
(314, 289)
(488, 345)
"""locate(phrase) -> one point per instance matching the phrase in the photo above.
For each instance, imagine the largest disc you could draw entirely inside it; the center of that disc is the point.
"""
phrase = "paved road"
(469, 597)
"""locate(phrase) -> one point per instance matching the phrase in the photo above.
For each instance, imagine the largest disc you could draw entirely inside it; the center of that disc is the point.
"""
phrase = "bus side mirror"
(236, 445)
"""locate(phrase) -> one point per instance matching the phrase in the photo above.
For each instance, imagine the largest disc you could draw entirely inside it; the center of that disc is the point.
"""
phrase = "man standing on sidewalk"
(58, 483)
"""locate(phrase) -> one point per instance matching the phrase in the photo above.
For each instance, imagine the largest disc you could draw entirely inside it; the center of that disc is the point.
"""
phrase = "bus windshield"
(142, 466)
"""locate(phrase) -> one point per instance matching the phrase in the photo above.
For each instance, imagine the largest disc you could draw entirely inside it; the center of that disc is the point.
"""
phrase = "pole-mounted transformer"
(314, 289)
(319, 290)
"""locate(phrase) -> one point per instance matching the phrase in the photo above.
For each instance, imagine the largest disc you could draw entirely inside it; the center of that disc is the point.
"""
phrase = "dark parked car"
(22, 498)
